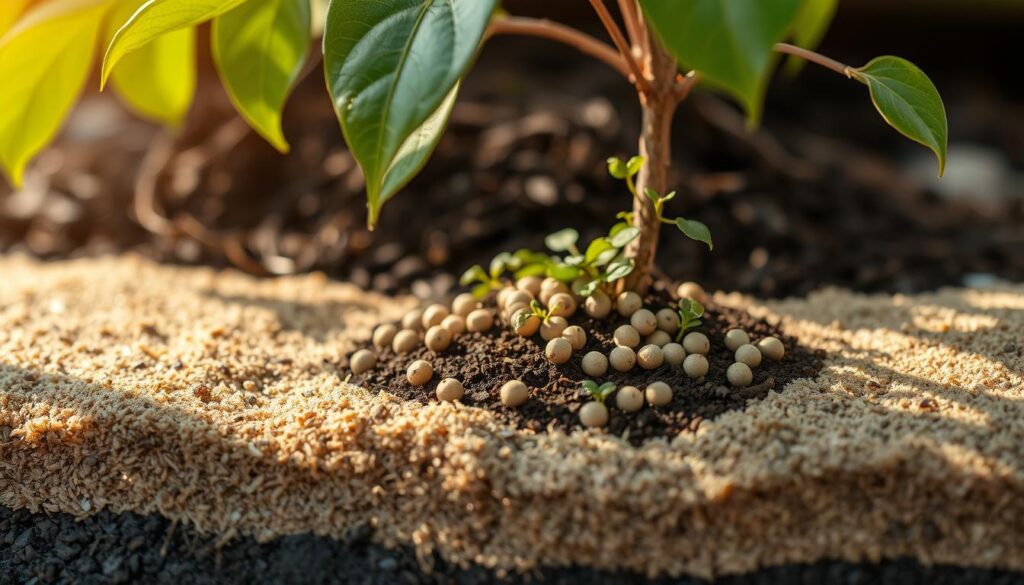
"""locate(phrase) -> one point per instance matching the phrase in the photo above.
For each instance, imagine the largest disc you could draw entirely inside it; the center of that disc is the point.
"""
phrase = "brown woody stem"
(816, 58)
(542, 27)
(620, 42)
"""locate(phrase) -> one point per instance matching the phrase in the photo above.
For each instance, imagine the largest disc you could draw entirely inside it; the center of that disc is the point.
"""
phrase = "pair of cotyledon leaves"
(393, 67)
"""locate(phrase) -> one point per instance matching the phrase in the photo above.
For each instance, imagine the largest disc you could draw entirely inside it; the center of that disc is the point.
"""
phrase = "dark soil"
(129, 548)
(483, 362)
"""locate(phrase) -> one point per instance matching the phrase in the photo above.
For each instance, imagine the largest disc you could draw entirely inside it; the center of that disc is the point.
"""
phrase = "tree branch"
(542, 27)
(816, 58)
(632, 20)
(685, 84)
(621, 44)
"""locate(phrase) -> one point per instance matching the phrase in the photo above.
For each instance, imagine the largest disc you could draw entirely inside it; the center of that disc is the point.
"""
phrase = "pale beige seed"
(550, 287)
(696, 365)
(479, 321)
(658, 394)
(383, 335)
(650, 357)
(739, 375)
(529, 324)
(437, 338)
(514, 308)
(502, 296)
(450, 390)
(772, 348)
(552, 328)
(598, 305)
(464, 304)
(363, 361)
(628, 303)
(576, 336)
(748, 354)
(594, 364)
(674, 354)
(455, 324)
(405, 341)
(629, 399)
(558, 350)
(514, 393)
(622, 358)
(576, 285)
(734, 338)
(644, 322)
(530, 284)
(419, 372)
(593, 415)
(433, 315)
(692, 290)
(659, 338)
(668, 320)
(519, 297)
(696, 342)
(413, 320)
(562, 305)
(626, 336)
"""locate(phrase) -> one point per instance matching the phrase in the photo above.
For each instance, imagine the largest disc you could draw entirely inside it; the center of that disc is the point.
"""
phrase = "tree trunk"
(658, 106)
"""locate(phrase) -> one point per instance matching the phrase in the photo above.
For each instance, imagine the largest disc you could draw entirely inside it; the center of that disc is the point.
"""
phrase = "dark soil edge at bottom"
(129, 548)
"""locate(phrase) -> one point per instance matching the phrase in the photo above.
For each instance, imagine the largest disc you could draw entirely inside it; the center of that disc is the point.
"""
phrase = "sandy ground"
(215, 398)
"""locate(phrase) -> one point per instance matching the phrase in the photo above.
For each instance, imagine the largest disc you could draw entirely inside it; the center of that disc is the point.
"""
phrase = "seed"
(739, 375)
(659, 338)
(594, 364)
(668, 320)
(622, 358)
(464, 304)
(363, 361)
(552, 328)
(650, 357)
(405, 341)
(517, 297)
(626, 336)
(433, 315)
(450, 390)
(455, 324)
(628, 303)
(419, 373)
(692, 290)
(558, 350)
(550, 287)
(644, 322)
(413, 320)
(772, 348)
(530, 284)
(578, 285)
(502, 295)
(514, 308)
(748, 354)
(597, 305)
(576, 336)
(479, 321)
(438, 339)
(514, 393)
(658, 394)
(674, 354)
(562, 305)
(527, 325)
(696, 343)
(734, 338)
(696, 365)
(383, 335)
(629, 399)
(593, 414)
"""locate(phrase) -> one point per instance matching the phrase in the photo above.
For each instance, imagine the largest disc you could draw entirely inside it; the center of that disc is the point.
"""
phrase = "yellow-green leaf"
(809, 27)
(909, 102)
(44, 62)
(156, 18)
(259, 49)
(158, 81)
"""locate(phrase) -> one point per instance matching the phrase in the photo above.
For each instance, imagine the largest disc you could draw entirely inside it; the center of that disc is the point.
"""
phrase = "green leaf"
(617, 168)
(595, 250)
(618, 269)
(44, 63)
(652, 195)
(809, 26)
(585, 289)
(728, 41)
(481, 290)
(695, 230)
(473, 274)
(259, 49)
(156, 18)
(393, 68)
(498, 264)
(532, 270)
(158, 81)
(624, 236)
(562, 240)
(590, 387)
(908, 101)
(634, 164)
(669, 196)
(563, 272)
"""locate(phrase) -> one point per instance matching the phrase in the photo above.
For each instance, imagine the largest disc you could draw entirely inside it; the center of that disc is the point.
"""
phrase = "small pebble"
(437, 339)
(464, 304)
(413, 320)
(552, 328)
(626, 336)
(748, 354)
(514, 393)
(479, 321)
(622, 358)
(650, 357)
(576, 336)
(405, 341)
(597, 305)
(419, 373)
(734, 338)
(692, 290)
(562, 305)
(629, 399)
(594, 364)
(628, 303)
(659, 338)
(450, 390)
(739, 375)
(383, 335)
(455, 324)
(558, 350)
(530, 284)
(658, 394)
(644, 322)
(363, 361)
(674, 354)
(772, 348)
(525, 323)
(696, 342)
(668, 320)
(593, 415)
(433, 315)
(696, 366)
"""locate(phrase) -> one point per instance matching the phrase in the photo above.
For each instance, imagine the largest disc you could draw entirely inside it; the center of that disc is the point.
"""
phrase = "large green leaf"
(728, 41)
(908, 101)
(259, 49)
(809, 27)
(392, 67)
(44, 62)
(158, 81)
(156, 18)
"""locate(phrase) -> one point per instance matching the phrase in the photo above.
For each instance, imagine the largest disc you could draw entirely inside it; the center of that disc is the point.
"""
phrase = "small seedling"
(486, 281)
(690, 312)
(599, 393)
(536, 310)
